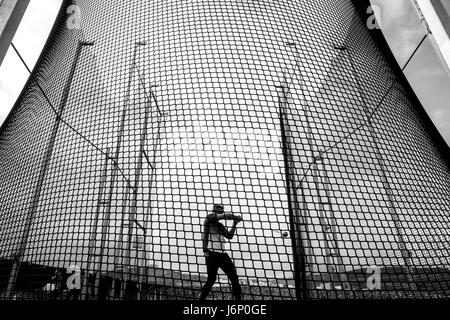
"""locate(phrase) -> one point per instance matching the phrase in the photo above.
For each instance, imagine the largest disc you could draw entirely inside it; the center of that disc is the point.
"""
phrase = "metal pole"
(40, 181)
(298, 185)
(297, 248)
(119, 143)
(333, 262)
(94, 232)
(384, 178)
(160, 120)
(138, 173)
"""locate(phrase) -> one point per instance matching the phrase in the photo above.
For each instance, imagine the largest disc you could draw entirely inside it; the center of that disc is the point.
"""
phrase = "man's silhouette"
(214, 233)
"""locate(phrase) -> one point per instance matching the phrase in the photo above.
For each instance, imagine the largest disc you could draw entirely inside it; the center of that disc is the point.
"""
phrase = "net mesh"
(140, 116)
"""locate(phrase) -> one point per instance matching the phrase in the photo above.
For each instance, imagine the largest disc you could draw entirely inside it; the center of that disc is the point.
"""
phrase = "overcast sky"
(426, 74)
(399, 21)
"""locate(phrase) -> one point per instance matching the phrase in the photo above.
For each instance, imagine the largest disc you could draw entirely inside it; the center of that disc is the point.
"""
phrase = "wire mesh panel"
(142, 115)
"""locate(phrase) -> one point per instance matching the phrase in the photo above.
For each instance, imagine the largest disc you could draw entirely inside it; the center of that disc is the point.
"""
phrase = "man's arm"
(229, 234)
(224, 216)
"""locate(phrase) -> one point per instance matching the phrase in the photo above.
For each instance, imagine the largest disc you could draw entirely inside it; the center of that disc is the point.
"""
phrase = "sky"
(425, 72)
(399, 21)
(30, 38)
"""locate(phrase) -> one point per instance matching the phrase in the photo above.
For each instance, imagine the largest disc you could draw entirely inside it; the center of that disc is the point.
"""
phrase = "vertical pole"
(297, 247)
(40, 181)
(93, 233)
(137, 178)
(119, 144)
(297, 186)
(160, 121)
(384, 178)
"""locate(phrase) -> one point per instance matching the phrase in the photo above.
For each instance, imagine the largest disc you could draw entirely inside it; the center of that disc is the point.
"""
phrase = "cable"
(58, 117)
(321, 153)
(412, 55)
(20, 57)
(159, 111)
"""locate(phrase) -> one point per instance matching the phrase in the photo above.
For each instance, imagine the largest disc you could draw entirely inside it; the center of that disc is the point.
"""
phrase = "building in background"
(291, 113)
(435, 15)
(11, 13)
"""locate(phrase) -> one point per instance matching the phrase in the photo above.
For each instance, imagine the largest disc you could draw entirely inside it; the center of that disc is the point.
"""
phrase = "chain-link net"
(141, 115)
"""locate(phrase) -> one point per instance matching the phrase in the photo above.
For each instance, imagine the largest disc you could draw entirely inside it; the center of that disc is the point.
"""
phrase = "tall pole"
(160, 119)
(92, 256)
(120, 136)
(384, 177)
(327, 221)
(40, 181)
(115, 159)
(299, 255)
(137, 178)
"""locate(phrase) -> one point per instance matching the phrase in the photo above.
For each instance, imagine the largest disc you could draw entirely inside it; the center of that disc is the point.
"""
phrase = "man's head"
(218, 209)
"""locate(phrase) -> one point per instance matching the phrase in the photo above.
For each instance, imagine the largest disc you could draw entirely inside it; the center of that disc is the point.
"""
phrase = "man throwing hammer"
(214, 233)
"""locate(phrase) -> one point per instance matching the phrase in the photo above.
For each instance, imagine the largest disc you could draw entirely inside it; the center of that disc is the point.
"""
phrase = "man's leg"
(228, 267)
(212, 267)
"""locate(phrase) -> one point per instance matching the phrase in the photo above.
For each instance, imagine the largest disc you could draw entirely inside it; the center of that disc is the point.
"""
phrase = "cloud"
(442, 126)
(431, 83)
(11, 81)
(403, 32)
(401, 27)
